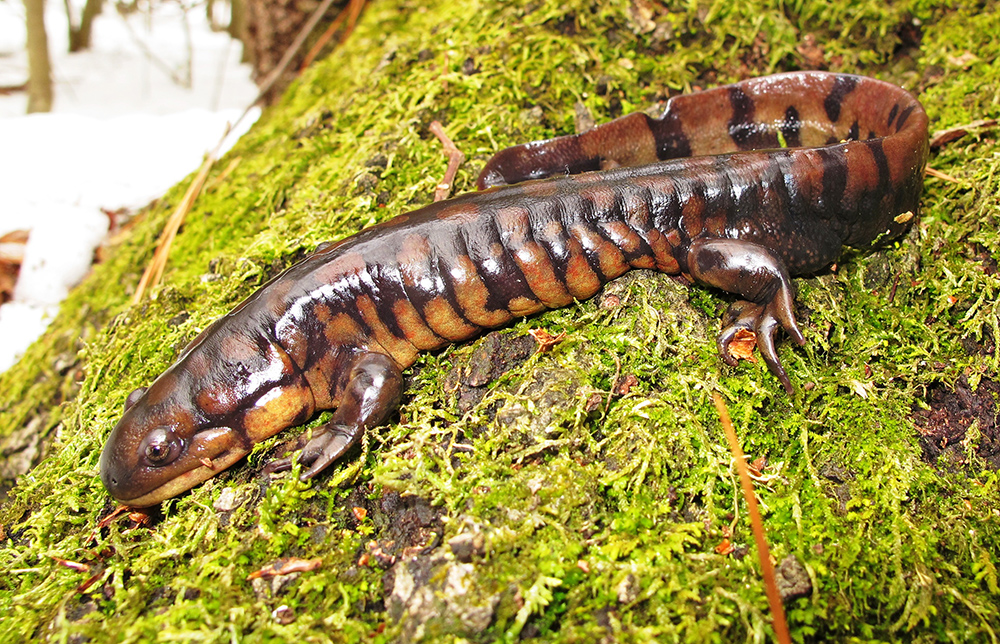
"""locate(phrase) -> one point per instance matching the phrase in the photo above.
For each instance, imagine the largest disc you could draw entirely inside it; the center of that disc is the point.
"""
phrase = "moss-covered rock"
(577, 494)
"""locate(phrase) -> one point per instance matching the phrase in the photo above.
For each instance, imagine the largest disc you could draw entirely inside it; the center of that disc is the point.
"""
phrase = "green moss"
(598, 514)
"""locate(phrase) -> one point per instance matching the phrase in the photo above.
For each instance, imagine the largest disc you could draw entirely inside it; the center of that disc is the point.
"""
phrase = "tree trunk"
(39, 67)
(270, 29)
(238, 26)
(79, 36)
(271, 26)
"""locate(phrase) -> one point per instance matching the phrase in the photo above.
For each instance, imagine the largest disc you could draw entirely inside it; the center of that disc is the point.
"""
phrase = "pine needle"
(350, 13)
(154, 271)
(937, 174)
(763, 552)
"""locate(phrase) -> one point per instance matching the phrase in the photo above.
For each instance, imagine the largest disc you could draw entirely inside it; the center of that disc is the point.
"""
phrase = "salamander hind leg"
(372, 392)
(754, 273)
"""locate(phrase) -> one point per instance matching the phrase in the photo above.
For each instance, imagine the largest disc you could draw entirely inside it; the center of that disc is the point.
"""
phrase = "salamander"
(737, 188)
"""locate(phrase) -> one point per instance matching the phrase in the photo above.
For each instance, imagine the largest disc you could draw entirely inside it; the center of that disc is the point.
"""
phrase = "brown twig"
(937, 174)
(222, 176)
(943, 137)
(350, 13)
(763, 552)
(455, 158)
(154, 271)
(12, 89)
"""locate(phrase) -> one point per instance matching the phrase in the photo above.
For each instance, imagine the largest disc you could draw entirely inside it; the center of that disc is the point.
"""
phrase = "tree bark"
(79, 36)
(238, 26)
(39, 67)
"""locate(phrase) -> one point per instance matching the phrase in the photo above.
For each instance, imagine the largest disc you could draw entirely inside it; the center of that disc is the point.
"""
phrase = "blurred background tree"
(39, 66)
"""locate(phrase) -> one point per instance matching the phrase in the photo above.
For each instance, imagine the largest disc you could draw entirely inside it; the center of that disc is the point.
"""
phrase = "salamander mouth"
(139, 485)
(198, 472)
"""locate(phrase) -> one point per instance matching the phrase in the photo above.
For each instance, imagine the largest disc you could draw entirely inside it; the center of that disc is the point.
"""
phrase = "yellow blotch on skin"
(445, 322)
(277, 410)
(401, 350)
(581, 280)
(537, 269)
(413, 326)
(522, 306)
(661, 247)
(472, 295)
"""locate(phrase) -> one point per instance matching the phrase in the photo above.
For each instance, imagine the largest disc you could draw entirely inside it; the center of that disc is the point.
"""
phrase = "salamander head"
(153, 454)
(199, 417)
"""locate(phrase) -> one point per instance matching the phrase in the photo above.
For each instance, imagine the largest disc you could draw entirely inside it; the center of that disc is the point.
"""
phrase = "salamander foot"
(754, 273)
(763, 322)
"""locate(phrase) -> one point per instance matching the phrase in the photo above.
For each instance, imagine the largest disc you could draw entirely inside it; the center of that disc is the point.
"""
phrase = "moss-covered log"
(579, 494)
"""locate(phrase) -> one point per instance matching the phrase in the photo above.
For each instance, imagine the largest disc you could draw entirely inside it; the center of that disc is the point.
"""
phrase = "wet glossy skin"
(335, 330)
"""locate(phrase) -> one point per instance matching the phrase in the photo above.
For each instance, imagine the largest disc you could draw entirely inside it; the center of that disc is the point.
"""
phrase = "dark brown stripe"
(892, 114)
(768, 191)
(905, 114)
(620, 214)
(834, 178)
(786, 186)
(385, 286)
(791, 128)
(449, 292)
(454, 250)
(742, 129)
(576, 210)
(842, 86)
(611, 213)
(665, 206)
(884, 175)
(507, 282)
(669, 136)
(319, 345)
(542, 216)
(532, 216)
(418, 296)
(871, 200)
(852, 134)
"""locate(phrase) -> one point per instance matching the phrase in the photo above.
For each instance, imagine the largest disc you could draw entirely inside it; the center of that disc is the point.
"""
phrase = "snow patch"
(121, 133)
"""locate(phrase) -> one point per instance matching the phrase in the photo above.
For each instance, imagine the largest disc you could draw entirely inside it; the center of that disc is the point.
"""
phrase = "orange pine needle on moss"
(763, 552)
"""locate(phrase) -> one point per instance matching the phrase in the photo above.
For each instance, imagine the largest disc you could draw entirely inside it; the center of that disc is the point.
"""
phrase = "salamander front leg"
(757, 275)
(372, 393)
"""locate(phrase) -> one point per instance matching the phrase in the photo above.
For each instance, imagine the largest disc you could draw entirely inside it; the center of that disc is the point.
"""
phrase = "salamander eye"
(160, 447)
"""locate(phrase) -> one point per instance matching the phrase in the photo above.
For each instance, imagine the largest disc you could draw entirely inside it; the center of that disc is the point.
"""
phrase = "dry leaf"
(545, 339)
(743, 344)
(286, 567)
(725, 547)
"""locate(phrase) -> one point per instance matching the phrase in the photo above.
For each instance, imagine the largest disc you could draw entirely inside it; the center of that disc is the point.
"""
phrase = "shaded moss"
(599, 505)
